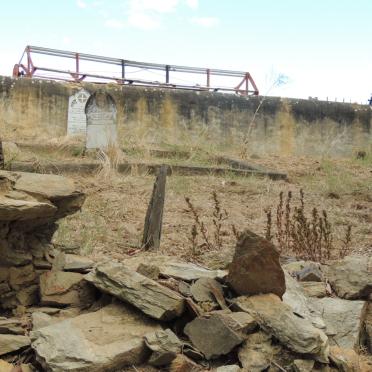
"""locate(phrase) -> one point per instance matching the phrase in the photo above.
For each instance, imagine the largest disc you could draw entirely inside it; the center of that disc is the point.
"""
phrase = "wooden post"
(154, 215)
(2, 162)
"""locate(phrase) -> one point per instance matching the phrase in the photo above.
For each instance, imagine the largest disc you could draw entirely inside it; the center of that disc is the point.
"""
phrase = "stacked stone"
(30, 205)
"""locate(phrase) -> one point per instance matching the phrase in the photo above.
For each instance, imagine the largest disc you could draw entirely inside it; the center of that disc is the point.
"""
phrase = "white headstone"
(77, 120)
(101, 121)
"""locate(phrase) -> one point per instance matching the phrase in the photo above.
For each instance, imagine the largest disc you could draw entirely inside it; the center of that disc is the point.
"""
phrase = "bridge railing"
(27, 68)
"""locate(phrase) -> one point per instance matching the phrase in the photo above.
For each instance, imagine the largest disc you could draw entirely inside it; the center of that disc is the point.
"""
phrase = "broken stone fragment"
(153, 299)
(170, 267)
(204, 288)
(239, 321)
(183, 364)
(256, 353)
(343, 320)
(310, 273)
(255, 267)
(10, 343)
(165, 346)
(212, 336)
(76, 263)
(65, 288)
(351, 278)
(294, 296)
(347, 360)
(106, 340)
(229, 368)
(11, 326)
(303, 365)
(148, 270)
(278, 319)
(314, 289)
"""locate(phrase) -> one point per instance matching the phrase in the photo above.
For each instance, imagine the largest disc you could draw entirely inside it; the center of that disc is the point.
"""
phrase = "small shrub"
(308, 237)
(200, 238)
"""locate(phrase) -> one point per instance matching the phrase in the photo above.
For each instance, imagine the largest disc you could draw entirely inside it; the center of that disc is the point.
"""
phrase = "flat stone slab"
(351, 278)
(106, 340)
(213, 337)
(153, 299)
(343, 320)
(10, 343)
(279, 320)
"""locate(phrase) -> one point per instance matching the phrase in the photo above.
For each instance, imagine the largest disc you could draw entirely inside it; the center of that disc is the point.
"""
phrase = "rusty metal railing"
(26, 68)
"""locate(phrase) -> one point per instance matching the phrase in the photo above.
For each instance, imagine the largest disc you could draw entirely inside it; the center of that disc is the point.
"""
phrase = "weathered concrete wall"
(38, 108)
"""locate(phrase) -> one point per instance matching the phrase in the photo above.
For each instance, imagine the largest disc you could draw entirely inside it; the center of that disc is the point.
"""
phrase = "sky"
(323, 48)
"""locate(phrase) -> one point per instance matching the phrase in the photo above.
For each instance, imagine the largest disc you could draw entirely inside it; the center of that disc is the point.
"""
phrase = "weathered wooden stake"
(2, 162)
(154, 215)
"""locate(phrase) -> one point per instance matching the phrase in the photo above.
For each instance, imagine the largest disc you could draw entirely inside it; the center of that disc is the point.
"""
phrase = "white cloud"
(159, 6)
(193, 4)
(114, 23)
(143, 21)
(205, 21)
(81, 4)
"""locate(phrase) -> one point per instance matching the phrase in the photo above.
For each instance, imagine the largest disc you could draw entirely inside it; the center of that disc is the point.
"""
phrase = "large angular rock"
(255, 267)
(351, 278)
(106, 340)
(164, 345)
(239, 321)
(295, 297)
(278, 319)
(10, 343)
(76, 263)
(64, 288)
(343, 319)
(153, 299)
(213, 337)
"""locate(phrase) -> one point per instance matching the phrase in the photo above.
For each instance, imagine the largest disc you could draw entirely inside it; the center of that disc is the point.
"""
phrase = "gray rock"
(351, 278)
(343, 320)
(61, 288)
(147, 295)
(148, 270)
(41, 320)
(11, 326)
(164, 345)
(213, 337)
(106, 340)
(255, 267)
(10, 343)
(80, 264)
(310, 273)
(239, 321)
(314, 289)
(295, 297)
(201, 289)
(278, 319)
(169, 266)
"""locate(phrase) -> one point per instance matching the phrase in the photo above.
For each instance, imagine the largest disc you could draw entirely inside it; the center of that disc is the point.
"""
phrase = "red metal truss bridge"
(123, 74)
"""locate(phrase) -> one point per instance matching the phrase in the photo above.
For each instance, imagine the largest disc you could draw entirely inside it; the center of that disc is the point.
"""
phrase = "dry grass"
(111, 221)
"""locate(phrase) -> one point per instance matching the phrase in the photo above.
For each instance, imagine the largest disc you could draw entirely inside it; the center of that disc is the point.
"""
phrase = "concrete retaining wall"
(38, 109)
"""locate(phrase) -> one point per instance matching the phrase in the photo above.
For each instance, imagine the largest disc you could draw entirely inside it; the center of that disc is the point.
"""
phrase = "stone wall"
(38, 109)
(30, 204)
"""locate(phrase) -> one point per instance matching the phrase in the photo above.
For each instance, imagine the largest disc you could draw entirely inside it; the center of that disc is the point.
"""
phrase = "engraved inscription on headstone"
(77, 120)
(101, 120)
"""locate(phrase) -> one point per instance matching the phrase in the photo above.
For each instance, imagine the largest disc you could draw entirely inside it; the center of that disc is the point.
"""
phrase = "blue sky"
(323, 46)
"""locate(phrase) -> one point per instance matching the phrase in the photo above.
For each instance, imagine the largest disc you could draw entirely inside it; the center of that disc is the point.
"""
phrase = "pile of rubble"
(155, 313)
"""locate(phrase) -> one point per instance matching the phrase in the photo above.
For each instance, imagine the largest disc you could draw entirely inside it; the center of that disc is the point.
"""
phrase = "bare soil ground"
(111, 221)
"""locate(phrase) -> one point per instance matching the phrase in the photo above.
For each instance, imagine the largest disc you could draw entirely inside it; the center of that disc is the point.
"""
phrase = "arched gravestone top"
(76, 118)
(101, 120)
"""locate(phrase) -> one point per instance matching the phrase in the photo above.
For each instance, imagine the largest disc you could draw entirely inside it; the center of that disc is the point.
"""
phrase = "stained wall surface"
(37, 109)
